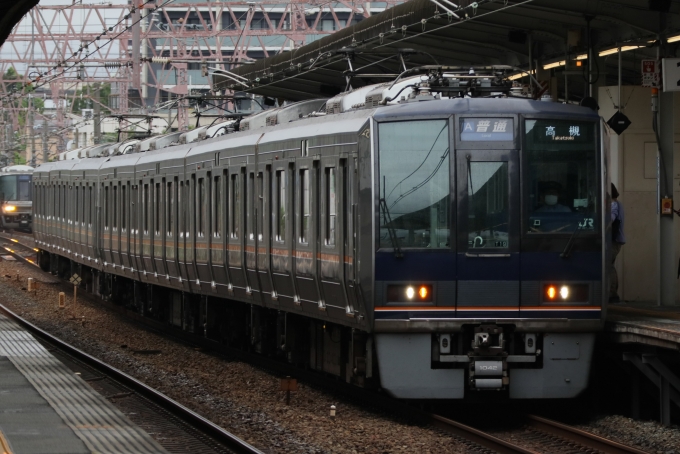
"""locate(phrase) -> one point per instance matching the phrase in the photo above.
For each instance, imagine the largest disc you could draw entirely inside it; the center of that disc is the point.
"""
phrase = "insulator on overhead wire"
(160, 59)
(112, 64)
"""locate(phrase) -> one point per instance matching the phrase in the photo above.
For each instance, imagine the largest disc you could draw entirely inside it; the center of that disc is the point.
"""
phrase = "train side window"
(250, 216)
(260, 206)
(180, 210)
(89, 206)
(157, 209)
(217, 206)
(115, 207)
(170, 211)
(235, 206)
(123, 207)
(331, 206)
(83, 205)
(280, 214)
(106, 207)
(77, 204)
(305, 206)
(145, 207)
(200, 207)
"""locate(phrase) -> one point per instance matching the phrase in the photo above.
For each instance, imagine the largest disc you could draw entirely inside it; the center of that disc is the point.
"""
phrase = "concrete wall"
(634, 168)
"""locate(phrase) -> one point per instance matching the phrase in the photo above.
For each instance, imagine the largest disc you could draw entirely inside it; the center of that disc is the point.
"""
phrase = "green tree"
(85, 98)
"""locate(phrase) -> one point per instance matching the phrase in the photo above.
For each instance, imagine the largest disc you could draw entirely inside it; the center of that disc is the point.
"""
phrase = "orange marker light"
(422, 292)
(552, 292)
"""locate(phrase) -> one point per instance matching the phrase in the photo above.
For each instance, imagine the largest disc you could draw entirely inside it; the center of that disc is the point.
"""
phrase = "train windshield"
(16, 188)
(414, 184)
(562, 178)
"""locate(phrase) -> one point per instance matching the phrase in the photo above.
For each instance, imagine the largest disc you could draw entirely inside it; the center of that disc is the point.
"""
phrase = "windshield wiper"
(569, 246)
(390, 229)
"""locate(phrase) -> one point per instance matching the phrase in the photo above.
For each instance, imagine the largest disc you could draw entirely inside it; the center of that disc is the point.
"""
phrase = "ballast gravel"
(247, 401)
(238, 397)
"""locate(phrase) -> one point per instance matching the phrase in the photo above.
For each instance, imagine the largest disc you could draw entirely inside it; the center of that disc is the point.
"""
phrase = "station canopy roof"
(479, 33)
(12, 14)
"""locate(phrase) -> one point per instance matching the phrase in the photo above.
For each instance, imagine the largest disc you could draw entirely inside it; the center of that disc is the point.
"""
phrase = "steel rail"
(479, 437)
(14, 253)
(580, 437)
(175, 408)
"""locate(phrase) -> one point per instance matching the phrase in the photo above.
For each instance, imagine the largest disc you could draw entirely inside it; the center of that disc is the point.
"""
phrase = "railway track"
(190, 432)
(539, 435)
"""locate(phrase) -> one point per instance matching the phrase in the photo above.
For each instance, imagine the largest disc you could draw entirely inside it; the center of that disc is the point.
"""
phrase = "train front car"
(490, 264)
(16, 195)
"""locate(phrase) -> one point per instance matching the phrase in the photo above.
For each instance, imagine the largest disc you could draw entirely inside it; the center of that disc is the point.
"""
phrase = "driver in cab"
(551, 193)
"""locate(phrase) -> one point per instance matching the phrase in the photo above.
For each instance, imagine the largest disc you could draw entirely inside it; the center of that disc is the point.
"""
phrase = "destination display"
(551, 131)
(487, 129)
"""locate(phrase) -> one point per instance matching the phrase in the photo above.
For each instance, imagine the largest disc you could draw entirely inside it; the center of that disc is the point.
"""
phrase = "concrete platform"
(47, 409)
(644, 323)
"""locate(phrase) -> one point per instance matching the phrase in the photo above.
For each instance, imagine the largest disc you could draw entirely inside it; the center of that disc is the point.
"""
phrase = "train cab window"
(331, 206)
(488, 200)
(305, 205)
(280, 206)
(414, 184)
(561, 161)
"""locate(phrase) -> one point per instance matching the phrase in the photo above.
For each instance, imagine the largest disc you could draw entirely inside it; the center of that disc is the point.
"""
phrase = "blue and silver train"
(437, 246)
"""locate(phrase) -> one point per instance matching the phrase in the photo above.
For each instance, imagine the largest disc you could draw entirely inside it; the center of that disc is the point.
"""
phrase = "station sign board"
(671, 74)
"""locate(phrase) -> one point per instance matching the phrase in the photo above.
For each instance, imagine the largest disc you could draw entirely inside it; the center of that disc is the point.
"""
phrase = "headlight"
(409, 293)
(9, 208)
(573, 293)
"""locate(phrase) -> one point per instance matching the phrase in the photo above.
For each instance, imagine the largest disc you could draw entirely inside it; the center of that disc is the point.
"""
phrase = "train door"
(262, 230)
(283, 238)
(236, 219)
(146, 226)
(202, 237)
(125, 252)
(487, 165)
(250, 231)
(116, 227)
(171, 230)
(348, 209)
(159, 207)
(183, 258)
(107, 224)
(330, 260)
(306, 246)
(218, 206)
(135, 227)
